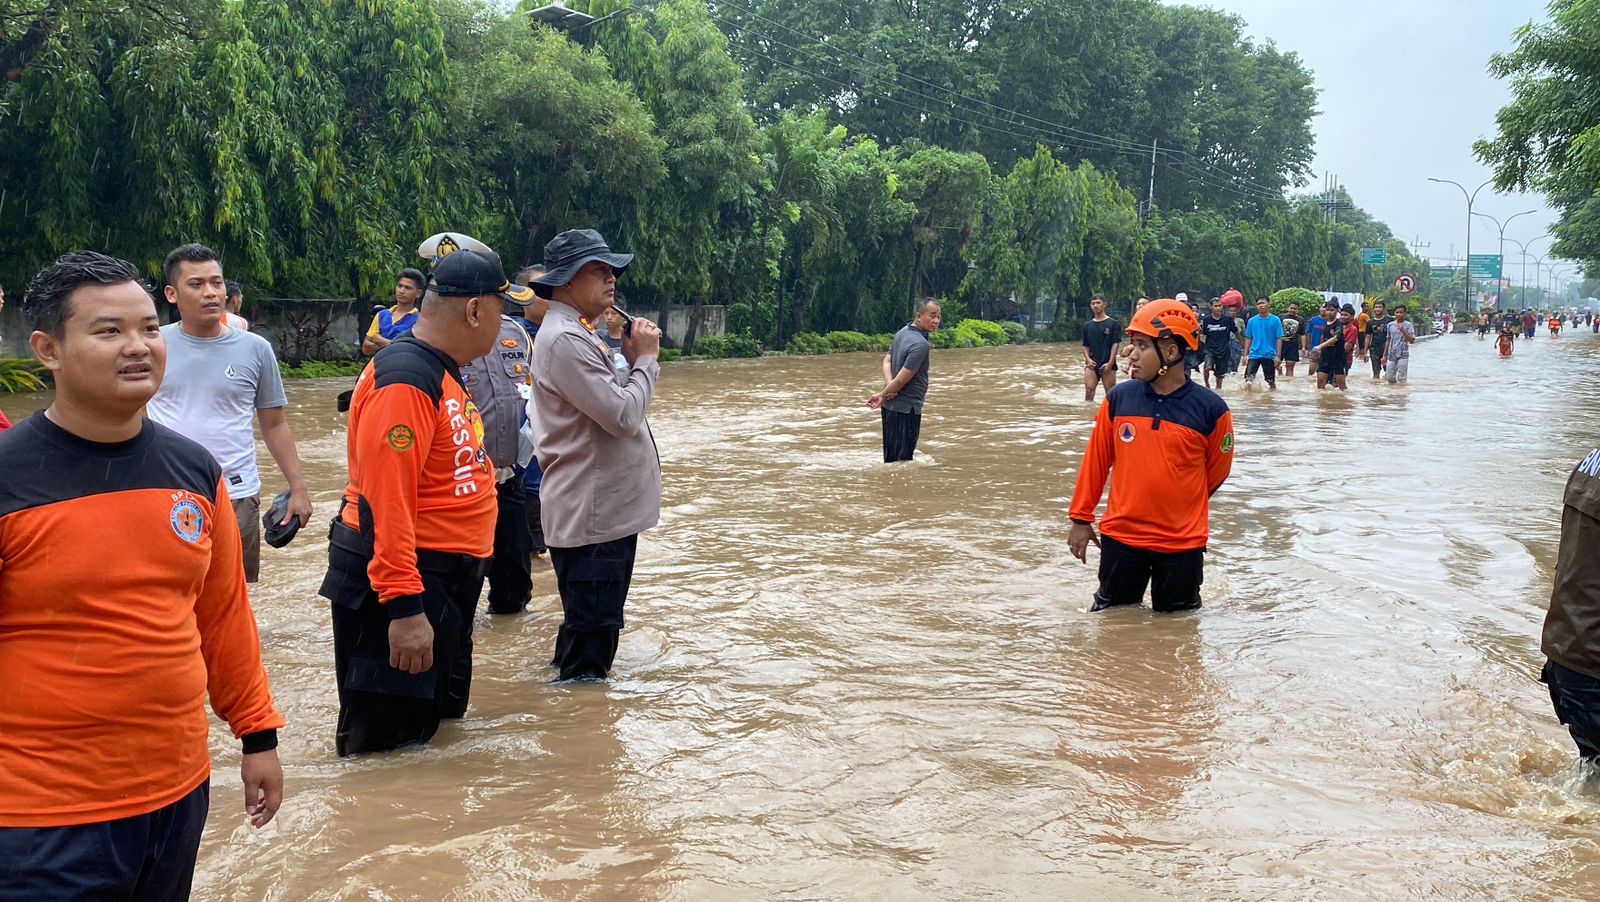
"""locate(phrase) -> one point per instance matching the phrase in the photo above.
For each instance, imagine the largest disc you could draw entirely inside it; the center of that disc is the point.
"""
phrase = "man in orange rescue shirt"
(1170, 443)
(104, 765)
(411, 545)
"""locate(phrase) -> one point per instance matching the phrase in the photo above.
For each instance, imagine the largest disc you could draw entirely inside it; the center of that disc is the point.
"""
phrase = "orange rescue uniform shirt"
(1169, 454)
(122, 606)
(415, 448)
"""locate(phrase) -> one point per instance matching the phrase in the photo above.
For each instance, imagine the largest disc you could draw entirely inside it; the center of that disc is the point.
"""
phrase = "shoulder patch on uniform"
(187, 518)
(401, 438)
(1227, 443)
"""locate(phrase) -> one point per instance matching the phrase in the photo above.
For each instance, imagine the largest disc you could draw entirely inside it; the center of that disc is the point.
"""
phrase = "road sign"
(1406, 284)
(1443, 272)
(1484, 266)
(1374, 256)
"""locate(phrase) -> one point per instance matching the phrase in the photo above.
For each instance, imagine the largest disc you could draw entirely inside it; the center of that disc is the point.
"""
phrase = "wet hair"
(1262, 297)
(188, 253)
(925, 303)
(1097, 297)
(1398, 308)
(1348, 309)
(45, 302)
(415, 275)
(233, 289)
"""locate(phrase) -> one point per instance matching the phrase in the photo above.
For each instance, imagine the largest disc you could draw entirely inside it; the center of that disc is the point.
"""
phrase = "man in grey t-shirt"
(905, 377)
(218, 379)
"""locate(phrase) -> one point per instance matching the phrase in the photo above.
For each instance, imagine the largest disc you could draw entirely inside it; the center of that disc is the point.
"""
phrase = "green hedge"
(322, 369)
(1310, 302)
(837, 343)
(718, 347)
(1016, 333)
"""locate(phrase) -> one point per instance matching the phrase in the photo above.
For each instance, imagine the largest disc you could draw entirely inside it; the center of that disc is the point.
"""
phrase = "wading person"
(1333, 354)
(396, 321)
(1167, 445)
(1571, 636)
(602, 472)
(1291, 340)
(231, 317)
(104, 764)
(533, 477)
(1377, 337)
(1219, 329)
(1263, 344)
(1397, 346)
(410, 545)
(218, 380)
(1312, 336)
(1102, 339)
(905, 383)
(499, 384)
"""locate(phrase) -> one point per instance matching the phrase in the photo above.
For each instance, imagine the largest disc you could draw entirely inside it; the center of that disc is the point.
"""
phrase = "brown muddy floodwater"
(842, 680)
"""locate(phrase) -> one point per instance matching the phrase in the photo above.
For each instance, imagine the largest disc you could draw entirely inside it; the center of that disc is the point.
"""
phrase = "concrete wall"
(713, 321)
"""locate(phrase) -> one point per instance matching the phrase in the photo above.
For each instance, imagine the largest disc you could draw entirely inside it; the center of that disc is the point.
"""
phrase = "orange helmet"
(1167, 318)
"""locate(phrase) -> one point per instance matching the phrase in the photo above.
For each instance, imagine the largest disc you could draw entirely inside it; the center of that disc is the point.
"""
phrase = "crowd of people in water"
(497, 422)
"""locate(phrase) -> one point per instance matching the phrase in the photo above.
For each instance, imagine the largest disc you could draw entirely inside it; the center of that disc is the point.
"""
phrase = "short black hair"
(1262, 297)
(1398, 308)
(188, 253)
(233, 288)
(526, 273)
(1348, 309)
(45, 302)
(414, 275)
(1097, 297)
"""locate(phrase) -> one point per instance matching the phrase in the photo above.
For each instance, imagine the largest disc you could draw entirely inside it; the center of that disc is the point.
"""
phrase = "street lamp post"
(1523, 247)
(1502, 227)
(1470, 198)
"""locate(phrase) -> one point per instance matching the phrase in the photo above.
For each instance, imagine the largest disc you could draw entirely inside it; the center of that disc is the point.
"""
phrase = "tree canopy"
(812, 166)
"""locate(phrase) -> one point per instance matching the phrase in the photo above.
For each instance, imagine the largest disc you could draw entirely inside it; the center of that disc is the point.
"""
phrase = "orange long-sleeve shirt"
(1169, 453)
(416, 457)
(122, 605)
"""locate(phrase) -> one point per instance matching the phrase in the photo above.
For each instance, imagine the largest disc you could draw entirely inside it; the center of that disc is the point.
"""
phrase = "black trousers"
(1174, 577)
(144, 858)
(381, 707)
(593, 581)
(1376, 353)
(1576, 699)
(1268, 368)
(535, 528)
(900, 432)
(511, 573)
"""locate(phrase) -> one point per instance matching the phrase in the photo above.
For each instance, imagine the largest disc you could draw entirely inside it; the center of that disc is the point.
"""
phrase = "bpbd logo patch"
(188, 521)
(1126, 433)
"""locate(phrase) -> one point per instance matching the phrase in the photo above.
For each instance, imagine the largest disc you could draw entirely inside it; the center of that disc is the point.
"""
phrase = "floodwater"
(842, 680)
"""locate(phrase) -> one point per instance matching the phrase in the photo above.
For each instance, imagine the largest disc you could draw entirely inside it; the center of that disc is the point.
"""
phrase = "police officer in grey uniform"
(499, 385)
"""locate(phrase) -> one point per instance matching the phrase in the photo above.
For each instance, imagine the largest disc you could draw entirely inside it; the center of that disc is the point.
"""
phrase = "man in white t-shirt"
(218, 378)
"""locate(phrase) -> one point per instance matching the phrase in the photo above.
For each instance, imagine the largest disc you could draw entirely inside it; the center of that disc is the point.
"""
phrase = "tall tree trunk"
(777, 321)
(695, 316)
(916, 277)
(666, 310)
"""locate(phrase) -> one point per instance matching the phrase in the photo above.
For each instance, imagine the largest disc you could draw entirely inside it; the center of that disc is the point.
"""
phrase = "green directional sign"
(1374, 256)
(1484, 266)
(1442, 272)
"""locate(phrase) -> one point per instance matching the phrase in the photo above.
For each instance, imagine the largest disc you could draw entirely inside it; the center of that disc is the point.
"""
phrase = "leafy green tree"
(1549, 138)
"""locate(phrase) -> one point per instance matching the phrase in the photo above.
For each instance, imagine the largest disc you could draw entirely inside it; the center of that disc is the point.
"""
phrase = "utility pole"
(1417, 245)
(1150, 199)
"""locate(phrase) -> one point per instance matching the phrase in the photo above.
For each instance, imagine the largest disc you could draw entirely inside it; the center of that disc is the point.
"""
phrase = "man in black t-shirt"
(1378, 337)
(1217, 331)
(1102, 336)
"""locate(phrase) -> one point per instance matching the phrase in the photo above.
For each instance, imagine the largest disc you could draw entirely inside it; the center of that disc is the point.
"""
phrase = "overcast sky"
(1435, 63)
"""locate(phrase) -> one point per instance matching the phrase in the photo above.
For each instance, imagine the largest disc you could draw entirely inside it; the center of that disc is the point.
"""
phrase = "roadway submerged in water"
(842, 680)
